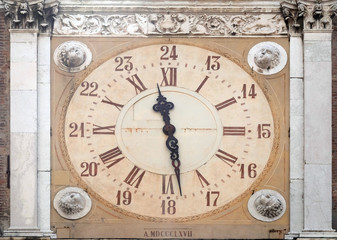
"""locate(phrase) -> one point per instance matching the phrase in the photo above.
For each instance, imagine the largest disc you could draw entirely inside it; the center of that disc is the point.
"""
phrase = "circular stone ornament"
(267, 58)
(267, 205)
(72, 203)
(72, 56)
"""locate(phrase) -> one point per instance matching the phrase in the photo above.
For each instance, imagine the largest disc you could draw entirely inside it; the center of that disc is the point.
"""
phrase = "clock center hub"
(139, 130)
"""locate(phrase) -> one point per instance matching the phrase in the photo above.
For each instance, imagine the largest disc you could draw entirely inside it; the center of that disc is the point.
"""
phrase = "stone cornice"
(172, 6)
(156, 17)
(34, 14)
(306, 15)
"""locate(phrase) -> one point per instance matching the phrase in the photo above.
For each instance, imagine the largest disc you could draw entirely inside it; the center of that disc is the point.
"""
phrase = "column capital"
(293, 16)
(32, 14)
(309, 15)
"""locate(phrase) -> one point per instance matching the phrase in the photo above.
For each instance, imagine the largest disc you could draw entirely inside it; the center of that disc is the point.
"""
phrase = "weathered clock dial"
(113, 139)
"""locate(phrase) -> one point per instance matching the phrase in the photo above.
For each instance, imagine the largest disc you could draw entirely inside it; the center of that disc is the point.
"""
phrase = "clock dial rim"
(275, 154)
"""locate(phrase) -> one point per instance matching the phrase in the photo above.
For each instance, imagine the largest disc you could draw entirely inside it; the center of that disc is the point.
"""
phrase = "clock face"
(113, 140)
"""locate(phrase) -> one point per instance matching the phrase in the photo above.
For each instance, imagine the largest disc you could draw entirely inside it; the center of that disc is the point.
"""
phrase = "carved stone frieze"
(170, 24)
(309, 15)
(31, 15)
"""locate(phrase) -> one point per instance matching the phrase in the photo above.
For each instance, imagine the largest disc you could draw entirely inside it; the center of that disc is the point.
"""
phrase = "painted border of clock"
(235, 50)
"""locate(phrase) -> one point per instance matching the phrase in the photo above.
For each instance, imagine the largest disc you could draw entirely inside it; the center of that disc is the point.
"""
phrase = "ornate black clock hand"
(171, 143)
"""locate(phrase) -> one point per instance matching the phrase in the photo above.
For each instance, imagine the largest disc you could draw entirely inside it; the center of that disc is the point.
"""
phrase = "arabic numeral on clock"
(169, 53)
(124, 198)
(124, 63)
(251, 170)
(78, 131)
(251, 92)
(212, 63)
(90, 169)
(263, 131)
(89, 89)
(168, 207)
(212, 198)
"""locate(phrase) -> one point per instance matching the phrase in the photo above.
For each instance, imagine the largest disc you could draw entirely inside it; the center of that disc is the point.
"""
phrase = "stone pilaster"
(43, 127)
(317, 29)
(310, 113)
(30, 24)
(23, 131)
(293, 17)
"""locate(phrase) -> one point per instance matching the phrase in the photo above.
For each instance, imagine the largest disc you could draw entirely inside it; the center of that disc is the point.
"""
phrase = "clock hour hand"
(163, 107)
(171, 143)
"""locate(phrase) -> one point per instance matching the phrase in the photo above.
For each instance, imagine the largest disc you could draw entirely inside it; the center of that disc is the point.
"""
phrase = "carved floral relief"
(169, 24)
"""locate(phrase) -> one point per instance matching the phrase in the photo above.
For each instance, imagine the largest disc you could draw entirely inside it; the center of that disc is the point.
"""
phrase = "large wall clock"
(227, 123)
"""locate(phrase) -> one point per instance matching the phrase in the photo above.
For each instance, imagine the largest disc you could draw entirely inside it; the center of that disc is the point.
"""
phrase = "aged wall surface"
(4, 122)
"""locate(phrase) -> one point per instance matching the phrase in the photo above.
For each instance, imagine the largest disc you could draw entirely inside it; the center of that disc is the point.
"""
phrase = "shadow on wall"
(334, 125)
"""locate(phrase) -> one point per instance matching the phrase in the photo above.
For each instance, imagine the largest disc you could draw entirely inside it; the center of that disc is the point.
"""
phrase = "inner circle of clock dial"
(141, 139)
(114, 143)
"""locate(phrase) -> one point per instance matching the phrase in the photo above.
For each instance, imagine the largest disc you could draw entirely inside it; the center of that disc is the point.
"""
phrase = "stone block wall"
(4, 121)
(334, 127)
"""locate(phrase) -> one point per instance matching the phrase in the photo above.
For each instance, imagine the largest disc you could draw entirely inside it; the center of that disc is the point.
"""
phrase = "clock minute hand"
(171, 143)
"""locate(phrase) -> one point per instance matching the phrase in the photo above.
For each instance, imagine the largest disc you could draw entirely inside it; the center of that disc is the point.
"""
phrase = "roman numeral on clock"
(134, 177)
(103, 130)
(202, 84)
(137, 83)
(229, 159)
(225, 103)
(202, 179)
(234, 131)
(167, 185)
(169, 76)
(111, 157)
(108, 101)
